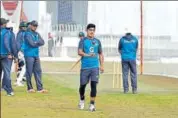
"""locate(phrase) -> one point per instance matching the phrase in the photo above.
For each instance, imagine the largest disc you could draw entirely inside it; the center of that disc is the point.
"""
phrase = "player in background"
(7, 52)
(127, 47)
(32, 42)
(81, 35)
(20, 59)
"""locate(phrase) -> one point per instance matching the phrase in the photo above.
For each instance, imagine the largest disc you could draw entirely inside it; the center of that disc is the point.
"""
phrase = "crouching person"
(31, 52)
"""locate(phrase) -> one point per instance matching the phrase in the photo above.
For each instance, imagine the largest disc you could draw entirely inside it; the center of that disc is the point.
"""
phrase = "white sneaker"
(81, 105)
(18, 84)
(10, 94)
(92, 108)
(42, 91)
(15, 83)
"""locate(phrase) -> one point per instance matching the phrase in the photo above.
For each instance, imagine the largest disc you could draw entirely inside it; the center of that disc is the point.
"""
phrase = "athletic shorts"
(89, 74)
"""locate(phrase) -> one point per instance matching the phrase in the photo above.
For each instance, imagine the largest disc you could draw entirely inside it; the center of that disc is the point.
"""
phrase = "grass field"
(157, 98)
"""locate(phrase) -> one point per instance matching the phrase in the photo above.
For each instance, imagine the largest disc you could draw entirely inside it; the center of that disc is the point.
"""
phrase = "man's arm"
(101, 57)
(119, 46)
(82, 54)
(14, 46)
(80, 49)
(40, 41)
(7, 42)
(18, 41)
(137, 45)
(30, 41)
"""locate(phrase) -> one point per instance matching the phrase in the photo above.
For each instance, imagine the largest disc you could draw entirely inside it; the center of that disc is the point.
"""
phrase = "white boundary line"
(71, 73)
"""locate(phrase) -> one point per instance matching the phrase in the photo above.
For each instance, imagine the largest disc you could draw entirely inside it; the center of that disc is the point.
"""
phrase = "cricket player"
(128, 46)
(6, 55)
(20, 36)
(20, 49)
(92, 60)
(51, 45)
(12, 46)
(32, 42)
(81, 35)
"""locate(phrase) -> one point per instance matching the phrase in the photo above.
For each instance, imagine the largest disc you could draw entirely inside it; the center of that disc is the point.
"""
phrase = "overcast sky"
(31, 9)
(160, 17)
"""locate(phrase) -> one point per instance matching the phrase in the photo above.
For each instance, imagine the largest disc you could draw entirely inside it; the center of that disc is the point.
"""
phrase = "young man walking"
(92, 60)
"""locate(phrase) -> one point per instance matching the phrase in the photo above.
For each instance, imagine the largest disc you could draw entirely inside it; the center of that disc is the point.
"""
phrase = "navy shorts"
(89, 74)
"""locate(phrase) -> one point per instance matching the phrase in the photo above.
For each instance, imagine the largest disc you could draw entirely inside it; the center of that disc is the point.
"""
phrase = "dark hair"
(34, 23)
(91, 26)
(128, 33)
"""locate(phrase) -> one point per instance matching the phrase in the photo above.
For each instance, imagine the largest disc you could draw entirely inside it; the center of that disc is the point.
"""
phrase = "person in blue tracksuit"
(127, 47)
(33, 41)
(20, 36)
(12, 43)
(20, 49)
(6, 56)
(92, 60)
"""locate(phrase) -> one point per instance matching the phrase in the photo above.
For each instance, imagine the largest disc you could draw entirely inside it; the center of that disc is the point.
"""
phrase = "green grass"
(157, 98)
(62, 100)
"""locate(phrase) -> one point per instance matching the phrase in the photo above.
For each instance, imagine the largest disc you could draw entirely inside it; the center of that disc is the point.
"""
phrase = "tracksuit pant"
(33, 67)
(129, 65)
(6, 79)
